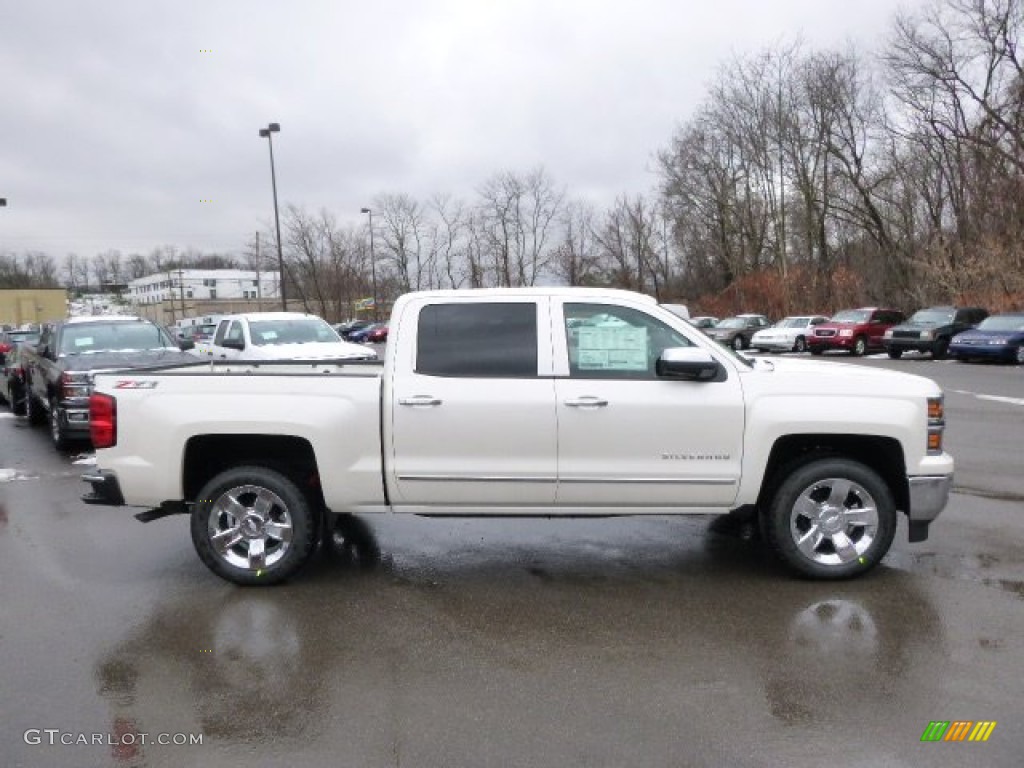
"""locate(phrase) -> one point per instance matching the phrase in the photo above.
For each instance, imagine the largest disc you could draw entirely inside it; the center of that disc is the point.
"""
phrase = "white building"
(184, 284)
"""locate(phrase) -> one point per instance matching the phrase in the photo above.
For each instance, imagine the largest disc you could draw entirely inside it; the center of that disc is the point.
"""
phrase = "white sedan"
(788, 335)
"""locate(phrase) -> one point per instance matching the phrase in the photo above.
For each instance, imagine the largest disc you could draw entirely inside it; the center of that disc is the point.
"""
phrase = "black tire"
(894, 354)
(817, 351)
(17, 399)
(58, 428)
(860, 347)
(940, 349)
(33, 412)
(824, 536)
(1019, 357)
(800, 345)
(739, 343)
(286, 544)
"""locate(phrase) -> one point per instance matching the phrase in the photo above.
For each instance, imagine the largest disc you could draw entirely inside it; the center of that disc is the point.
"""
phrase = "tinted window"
(221, 329)
(615, 342)
(483, 340)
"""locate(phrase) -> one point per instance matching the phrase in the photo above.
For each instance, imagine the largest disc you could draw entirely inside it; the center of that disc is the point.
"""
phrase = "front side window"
(488, 340)
(616, 342)
(235, 332)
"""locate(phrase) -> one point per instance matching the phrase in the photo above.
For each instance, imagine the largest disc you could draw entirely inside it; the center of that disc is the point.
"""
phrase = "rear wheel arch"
(209, 455)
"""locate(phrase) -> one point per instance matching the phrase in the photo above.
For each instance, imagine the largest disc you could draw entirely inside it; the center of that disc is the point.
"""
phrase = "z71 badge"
(133, 384)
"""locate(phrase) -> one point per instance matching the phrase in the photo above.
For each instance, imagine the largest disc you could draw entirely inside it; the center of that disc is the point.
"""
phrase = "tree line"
(806, 180)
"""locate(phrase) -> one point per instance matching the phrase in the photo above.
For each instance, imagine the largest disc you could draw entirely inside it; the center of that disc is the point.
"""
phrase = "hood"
(814, 377)
(921, 326)
(123, 359)
(977, 335)
(314, 350)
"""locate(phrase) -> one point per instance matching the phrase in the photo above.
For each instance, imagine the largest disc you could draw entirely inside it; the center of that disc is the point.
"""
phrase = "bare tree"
(516, 214)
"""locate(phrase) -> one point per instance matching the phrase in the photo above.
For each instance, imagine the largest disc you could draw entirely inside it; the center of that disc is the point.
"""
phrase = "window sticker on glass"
(619, 348)
(84, 341)
(268, 335)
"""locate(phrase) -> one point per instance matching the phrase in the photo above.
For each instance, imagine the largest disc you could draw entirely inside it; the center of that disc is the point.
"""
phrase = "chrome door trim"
(477, 479)
(651, 480)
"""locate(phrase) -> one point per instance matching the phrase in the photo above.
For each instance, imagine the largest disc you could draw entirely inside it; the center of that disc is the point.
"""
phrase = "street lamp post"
(373, 264)
(266, 134)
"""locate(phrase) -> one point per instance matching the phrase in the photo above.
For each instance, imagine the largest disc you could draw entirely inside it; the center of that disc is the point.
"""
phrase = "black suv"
(930, 330)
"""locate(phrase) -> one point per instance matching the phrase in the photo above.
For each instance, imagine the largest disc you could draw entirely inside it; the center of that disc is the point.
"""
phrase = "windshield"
(793, 322)
(1002, 323)
(113, 337)
(300, 330)
(732, 322)
(852, 316)
(932, 317)
(29, 337)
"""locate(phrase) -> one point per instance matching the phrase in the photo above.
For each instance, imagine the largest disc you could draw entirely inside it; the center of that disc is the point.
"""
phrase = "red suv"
(855, 330)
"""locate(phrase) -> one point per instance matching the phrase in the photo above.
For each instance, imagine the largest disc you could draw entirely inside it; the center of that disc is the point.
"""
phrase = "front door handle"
(422, 400)
(587, 402)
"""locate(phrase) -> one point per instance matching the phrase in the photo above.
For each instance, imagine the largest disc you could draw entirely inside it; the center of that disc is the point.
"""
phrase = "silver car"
(788, 335)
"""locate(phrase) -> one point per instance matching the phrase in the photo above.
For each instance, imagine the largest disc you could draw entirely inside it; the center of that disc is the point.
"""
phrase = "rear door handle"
(587, 402)
(422, 400)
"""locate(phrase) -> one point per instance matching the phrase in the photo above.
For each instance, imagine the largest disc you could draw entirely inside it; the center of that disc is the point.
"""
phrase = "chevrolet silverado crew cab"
(542, 402)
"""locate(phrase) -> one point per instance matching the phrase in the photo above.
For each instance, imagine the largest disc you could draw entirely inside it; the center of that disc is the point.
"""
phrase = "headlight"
(888, 334)
(846, 332)
(997, 342)
(926, 335)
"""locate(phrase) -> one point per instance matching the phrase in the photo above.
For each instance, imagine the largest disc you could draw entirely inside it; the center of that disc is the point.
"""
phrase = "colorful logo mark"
(958, 730)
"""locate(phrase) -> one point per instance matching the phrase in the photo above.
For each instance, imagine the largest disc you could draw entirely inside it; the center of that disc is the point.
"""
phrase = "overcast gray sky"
(120, 117)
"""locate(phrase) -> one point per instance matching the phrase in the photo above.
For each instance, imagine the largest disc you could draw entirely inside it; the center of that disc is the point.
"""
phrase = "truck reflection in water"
(236, 665)
(472, 641)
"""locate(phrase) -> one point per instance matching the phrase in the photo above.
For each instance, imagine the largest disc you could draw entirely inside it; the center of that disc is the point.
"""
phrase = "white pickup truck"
(278, 336)
(543, 401)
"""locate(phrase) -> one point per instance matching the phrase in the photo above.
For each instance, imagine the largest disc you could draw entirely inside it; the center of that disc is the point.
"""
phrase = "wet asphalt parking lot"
(447, 642)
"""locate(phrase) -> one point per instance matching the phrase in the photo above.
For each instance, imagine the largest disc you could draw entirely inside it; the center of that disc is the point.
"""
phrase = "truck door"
(232, 332)
(627, 438)
(471, 411)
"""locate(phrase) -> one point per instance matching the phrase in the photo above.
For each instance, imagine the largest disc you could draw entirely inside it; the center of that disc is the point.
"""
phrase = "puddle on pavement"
(975, 568)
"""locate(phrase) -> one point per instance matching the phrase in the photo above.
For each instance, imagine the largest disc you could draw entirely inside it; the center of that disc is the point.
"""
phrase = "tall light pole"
(373, 263)
(265, 134)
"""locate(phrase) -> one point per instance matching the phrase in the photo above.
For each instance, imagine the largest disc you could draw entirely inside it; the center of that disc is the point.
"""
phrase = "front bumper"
(775, 345)
(929, 495)
(908, 345)
(986, 351)
(830, 342)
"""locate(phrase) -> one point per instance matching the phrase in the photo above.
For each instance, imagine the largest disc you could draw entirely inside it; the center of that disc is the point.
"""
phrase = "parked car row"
(12, 368)
(964, 333)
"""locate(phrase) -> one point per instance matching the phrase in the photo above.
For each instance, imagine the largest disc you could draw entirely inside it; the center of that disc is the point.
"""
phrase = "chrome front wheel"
(832, 519)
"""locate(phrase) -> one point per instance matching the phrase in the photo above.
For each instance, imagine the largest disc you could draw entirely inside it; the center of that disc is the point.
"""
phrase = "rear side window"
(481, 340)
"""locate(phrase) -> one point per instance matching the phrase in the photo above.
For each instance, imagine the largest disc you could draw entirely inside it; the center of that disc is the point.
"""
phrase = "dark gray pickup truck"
(59, 369)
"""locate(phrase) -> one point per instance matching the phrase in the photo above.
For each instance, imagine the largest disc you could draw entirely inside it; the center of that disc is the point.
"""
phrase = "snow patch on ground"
(6, 475)
(89, 461)
(7, 416)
